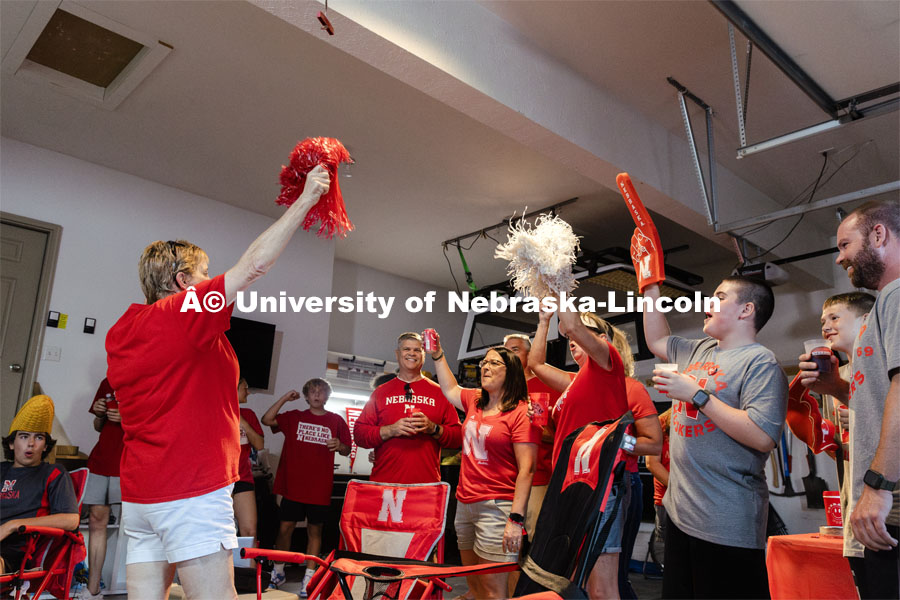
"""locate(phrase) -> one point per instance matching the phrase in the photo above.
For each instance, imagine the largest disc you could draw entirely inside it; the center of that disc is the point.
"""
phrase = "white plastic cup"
(671, 367)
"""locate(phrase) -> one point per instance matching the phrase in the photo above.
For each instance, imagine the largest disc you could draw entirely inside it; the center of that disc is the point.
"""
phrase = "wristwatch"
(876, 480)
(700, 398)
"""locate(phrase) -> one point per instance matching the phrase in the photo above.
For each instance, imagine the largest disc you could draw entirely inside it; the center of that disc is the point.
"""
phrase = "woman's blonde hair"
(161, 261)
(617, 337)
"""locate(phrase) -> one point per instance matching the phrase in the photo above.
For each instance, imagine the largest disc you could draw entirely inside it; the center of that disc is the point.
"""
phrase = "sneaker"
(85, 594)
(277, 580)
(303, 586)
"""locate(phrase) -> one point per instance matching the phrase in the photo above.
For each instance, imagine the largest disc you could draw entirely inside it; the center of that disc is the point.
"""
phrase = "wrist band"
(437, 431)
(438, 357)
(520, 525)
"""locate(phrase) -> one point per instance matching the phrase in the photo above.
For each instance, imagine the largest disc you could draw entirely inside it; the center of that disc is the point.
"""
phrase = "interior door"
(21, 260)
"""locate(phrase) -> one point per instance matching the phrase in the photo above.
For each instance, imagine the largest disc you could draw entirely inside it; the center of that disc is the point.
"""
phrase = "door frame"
(42, 306)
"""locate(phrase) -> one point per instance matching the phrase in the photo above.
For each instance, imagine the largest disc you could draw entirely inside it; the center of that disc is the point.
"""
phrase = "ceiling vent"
(82, 53)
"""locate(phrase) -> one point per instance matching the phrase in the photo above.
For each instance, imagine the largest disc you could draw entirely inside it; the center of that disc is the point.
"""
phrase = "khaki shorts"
(480, 527)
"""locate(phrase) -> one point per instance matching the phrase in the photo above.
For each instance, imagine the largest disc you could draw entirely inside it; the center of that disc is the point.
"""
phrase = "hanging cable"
(450, 266)
(811, 196)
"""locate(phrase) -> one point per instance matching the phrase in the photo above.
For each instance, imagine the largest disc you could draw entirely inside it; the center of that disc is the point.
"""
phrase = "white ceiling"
(219, 116)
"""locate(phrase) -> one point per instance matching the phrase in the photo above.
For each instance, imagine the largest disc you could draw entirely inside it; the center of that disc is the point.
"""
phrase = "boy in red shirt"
(311, 437)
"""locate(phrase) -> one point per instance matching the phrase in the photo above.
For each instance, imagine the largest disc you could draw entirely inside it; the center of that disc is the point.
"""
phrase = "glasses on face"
(492, 363)
(407, 389)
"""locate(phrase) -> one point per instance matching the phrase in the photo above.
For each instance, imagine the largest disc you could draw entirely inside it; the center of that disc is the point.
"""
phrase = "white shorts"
(180, 530)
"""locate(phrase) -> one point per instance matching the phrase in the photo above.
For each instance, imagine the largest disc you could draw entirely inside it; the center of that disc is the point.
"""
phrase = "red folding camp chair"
(568, 541)
(54, 551)
(379, 519)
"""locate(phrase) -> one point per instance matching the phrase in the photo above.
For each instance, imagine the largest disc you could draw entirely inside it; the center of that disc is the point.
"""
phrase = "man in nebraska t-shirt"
(408, 420)
(306, 468)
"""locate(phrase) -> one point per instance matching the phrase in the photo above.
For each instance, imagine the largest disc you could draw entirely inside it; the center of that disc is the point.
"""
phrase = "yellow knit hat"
(36, 415)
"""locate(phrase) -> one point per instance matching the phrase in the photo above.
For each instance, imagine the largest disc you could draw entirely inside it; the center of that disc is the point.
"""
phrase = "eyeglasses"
(493, 363)
(408, 391)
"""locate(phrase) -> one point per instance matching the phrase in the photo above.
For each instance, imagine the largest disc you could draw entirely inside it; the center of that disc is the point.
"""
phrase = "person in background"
(407, 421)
(499, 450)
(731, 402)
(34, 493)
(175, 375)
(649, 437)
(658, 465)
(868, 242)
(244, 495)
(305, 473)
(520, 345)
(102, 489)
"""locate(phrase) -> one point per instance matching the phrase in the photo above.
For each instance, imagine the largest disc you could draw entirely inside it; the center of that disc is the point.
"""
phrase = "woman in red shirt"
(499, 451)
(175, 375)
(598, 393)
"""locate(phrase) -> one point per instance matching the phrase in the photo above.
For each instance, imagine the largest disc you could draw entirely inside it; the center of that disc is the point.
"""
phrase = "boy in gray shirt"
(730, 400)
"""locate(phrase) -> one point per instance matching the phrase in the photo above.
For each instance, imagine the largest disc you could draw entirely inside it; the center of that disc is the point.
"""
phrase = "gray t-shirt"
(717, 486)
(876, 356)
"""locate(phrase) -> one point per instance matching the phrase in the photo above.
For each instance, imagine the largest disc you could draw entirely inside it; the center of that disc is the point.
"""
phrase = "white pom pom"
(540, 257)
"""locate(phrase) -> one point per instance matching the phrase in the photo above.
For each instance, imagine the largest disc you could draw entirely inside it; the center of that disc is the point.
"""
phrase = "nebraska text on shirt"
(402, 399)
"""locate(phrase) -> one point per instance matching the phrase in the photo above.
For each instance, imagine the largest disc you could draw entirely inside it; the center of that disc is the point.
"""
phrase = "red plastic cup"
(429, 337)
(111, 403)
(540, 407)
(820, 353)
(833, 508)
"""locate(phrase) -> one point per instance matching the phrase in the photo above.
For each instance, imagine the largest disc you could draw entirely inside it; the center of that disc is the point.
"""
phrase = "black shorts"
(242, 486)
(314, 514)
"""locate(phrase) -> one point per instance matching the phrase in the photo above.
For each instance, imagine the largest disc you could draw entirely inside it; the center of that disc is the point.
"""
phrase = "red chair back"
(56, 551)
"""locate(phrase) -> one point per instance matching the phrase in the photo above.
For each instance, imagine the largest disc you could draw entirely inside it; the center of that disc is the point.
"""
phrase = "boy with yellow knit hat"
(34, 493)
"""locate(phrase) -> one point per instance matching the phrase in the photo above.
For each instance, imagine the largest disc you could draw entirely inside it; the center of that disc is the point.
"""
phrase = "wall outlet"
(51, 353)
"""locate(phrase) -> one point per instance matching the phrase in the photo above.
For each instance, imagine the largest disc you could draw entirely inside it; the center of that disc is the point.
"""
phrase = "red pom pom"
(330, 208)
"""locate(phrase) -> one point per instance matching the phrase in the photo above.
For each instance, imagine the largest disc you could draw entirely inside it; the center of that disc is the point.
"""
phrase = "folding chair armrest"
(53, 532)
(280, 556)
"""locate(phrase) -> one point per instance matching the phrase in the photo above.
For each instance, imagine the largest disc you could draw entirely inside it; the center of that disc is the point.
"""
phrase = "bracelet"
(438, 357)
(517, 518)
(438, 430)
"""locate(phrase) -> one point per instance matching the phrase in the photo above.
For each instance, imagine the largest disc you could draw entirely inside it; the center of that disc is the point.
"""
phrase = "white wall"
(108, 217)
(367, 335)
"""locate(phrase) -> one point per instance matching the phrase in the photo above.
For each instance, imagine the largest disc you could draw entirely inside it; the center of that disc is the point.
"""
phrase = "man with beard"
(408, 420)
(869, 250)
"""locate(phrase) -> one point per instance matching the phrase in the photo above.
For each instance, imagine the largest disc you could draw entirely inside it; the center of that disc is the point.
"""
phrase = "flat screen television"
(253, 342)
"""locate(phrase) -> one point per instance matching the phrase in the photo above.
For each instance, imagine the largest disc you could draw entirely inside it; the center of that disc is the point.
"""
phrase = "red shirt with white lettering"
(107, 453)
(640, 405)
(543, 468)
(175, 376)
(594, 395)
(489, 467)
(413, 459)
(245, 469)
(306, 467)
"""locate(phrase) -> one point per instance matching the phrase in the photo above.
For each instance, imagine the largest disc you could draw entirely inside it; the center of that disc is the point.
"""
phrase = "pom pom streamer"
(540, 256)
(330, 208)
